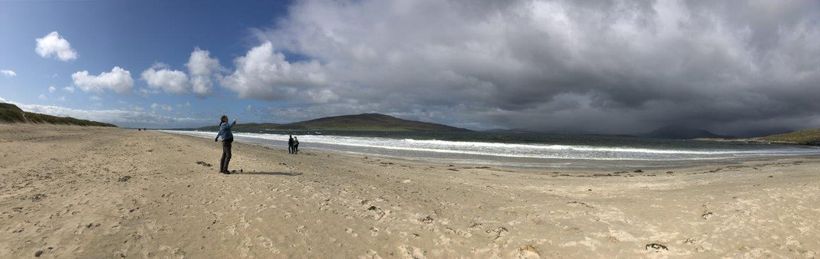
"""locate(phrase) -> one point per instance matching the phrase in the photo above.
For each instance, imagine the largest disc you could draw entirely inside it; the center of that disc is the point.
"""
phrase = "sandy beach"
(74, 192)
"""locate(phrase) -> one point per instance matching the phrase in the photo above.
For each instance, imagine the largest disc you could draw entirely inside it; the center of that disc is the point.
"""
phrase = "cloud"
(265, 74)
(52, 89)
(569, 66)
(42, 97)
(68, 89)
(52, 45)
(202, 68)
(145, 92)
(118, 80)
(165, 107)
(170, 81)
(8, 73)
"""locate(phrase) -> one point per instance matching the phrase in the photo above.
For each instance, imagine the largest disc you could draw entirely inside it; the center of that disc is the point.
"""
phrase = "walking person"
(227, 139)
(290, 145)
(295, 145)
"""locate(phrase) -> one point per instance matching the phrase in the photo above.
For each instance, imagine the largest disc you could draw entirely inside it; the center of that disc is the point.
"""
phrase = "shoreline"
(95, 192)
(539, 163)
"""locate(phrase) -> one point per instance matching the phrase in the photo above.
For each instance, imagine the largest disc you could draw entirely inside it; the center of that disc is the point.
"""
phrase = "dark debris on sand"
(581, 204)
(656, 246)
(38, 197)
(203, 164)
(706, 214)
(426, 220)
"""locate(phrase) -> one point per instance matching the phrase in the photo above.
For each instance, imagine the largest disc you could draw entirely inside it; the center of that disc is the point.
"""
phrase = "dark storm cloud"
(736, 67)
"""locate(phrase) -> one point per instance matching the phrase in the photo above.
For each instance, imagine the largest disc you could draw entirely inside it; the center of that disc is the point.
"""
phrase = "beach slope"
(95, 192)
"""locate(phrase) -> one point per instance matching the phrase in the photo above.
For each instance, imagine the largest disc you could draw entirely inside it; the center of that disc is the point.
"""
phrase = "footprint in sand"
(370, 254)
(378, 213)
(350, 231)
(411, 252)
(300, 229)
(527, 251)
(267, 243)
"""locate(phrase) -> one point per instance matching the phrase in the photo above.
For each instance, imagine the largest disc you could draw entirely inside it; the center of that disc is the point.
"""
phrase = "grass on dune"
(10, 113)
(805, 137)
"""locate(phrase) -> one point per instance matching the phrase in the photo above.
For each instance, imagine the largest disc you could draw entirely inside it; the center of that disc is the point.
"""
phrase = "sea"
(525, 149)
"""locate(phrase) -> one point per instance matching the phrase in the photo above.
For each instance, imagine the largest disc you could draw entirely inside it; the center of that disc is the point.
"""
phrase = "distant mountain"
(678, 132)
(803, 137)
(10, 113)
(373, 122)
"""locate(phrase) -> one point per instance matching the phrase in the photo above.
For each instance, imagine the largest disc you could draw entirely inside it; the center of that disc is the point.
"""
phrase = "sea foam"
(487, 150)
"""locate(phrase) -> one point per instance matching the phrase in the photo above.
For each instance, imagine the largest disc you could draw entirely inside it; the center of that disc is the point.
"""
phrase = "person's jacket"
(225, 131)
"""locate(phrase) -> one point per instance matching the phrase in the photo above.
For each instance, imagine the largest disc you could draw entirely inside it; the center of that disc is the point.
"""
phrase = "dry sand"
(102, 193)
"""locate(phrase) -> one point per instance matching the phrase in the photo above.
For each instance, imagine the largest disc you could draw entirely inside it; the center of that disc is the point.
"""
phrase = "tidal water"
(527, 150)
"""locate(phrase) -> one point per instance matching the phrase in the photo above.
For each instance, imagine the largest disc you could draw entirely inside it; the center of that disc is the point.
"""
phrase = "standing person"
(290, 145)
(295, 145)
(227, 140)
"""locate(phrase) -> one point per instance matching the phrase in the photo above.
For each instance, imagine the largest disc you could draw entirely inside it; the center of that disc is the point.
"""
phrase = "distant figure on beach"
(227, 138)
(290, 145)
(295, 145)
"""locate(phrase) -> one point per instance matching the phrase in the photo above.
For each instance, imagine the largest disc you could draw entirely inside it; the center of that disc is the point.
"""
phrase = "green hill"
(10, 113)
(803, 137)
(371, 122)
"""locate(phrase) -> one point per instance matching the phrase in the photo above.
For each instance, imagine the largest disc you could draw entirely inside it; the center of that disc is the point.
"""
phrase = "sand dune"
(102, 193)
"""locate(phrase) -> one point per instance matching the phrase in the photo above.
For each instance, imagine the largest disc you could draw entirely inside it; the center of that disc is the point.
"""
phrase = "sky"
(605, 67)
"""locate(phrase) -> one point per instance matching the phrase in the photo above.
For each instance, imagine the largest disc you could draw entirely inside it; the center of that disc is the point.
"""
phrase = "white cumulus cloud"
(265, 74)
(8, 73)
(202, 69)
(52, 89)
(53, 45)
(118, 80)
(170, 81)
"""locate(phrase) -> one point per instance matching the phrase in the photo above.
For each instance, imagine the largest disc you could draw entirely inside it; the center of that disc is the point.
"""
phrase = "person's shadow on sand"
(268, 173)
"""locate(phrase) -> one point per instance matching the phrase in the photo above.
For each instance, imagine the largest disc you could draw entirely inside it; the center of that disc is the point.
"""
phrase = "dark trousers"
(290, 149)
(226, 155)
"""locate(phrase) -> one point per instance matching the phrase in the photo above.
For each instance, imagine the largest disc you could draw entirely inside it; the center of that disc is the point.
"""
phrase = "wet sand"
(96, 192)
